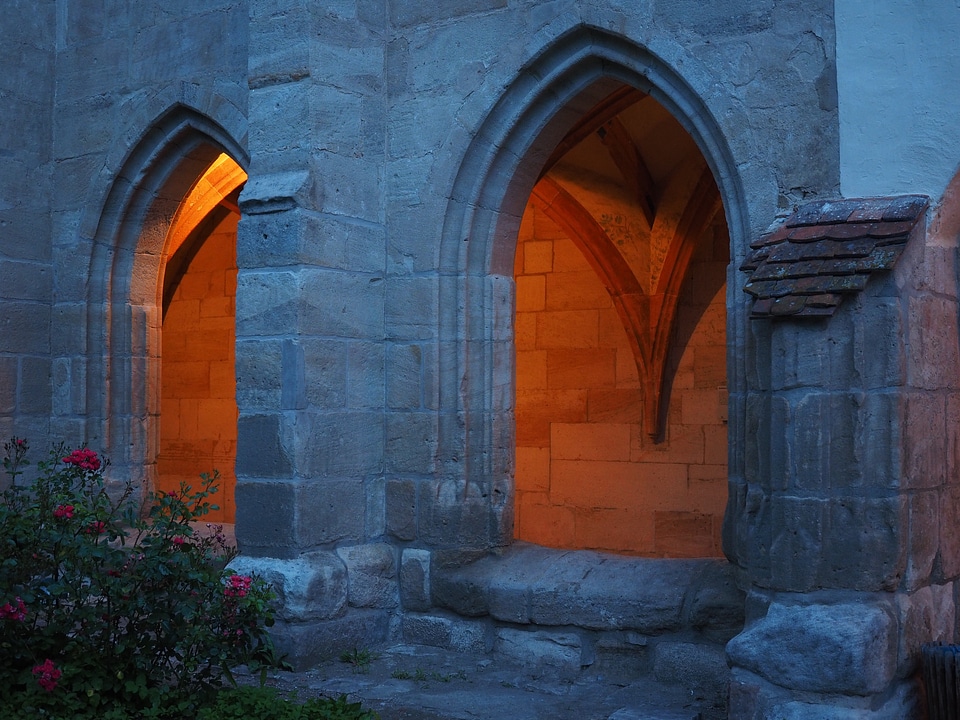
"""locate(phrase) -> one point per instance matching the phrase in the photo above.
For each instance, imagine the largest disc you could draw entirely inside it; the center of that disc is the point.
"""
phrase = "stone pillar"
(837, 524)
(310, 313)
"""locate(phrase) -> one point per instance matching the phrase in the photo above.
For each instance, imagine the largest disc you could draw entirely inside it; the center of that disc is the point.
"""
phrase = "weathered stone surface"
(305, 644)
(927, 615)
(371, 574)
(845, 648)
(702, 669)
(591, 590)
(401, 509)
(449, 633)
(553, 652)
(717, 609)
(309, 588)
(415, 581)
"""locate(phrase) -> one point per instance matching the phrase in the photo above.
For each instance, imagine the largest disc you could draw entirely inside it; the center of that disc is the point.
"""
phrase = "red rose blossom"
(47, 675)
(63, 512)
(83, 458)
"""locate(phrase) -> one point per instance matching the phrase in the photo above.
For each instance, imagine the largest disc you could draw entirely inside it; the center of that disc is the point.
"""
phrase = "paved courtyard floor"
(406, 682)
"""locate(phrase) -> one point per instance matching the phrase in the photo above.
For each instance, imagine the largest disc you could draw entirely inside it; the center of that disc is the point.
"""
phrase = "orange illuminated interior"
(620, 340)
(198, 416)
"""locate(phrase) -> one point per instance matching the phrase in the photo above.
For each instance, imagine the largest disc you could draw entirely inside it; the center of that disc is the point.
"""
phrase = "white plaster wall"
(898, 78)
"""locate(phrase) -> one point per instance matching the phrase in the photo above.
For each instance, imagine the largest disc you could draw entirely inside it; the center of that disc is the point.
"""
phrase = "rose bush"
(110, 608)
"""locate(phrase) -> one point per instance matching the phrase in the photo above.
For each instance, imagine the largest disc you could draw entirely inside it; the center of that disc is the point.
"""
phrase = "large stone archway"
(511, 147)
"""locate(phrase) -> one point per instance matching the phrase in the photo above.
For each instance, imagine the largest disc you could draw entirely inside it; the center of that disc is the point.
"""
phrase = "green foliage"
(359, 659)
(264, 703)
(109, 608)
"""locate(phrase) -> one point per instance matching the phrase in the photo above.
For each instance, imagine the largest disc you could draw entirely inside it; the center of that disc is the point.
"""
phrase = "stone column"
(837, 523)
(310, 319)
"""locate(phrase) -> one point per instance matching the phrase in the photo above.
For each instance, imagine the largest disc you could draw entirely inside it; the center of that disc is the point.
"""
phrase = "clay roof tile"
(826, 250)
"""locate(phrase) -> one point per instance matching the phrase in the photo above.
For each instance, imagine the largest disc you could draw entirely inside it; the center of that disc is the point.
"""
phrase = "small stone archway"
(496, 177)
(125, 296)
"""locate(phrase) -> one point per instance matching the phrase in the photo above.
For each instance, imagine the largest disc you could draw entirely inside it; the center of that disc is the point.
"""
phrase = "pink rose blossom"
(63, 512)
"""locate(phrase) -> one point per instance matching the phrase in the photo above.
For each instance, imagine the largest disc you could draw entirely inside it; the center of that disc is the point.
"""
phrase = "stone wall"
(391, 151)
(26, 191)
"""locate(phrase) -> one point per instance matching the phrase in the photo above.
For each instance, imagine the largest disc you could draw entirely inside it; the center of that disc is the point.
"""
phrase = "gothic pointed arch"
(124, 297)
(503, 162)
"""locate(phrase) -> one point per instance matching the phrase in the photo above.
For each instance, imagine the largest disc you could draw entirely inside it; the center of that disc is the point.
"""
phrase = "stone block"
(25, 328)
(532, 369)
(337, 304)
(847, 648)
(932, 329)
(451, 634)
(878, 440)
(718, 605)
(622, 657)
(531, 293)
(566, 329)
(330, 510)
(266, 303)
(509, 586)
(404, 370)
(266, 517)
(26, 281)
(346, 186)
(533, 469)
(879, 360)
(306, 644)
(401, 510)
(949, 537)
(797, 548)
(429, 630)
(412, 306)
(541, 522)
(700, 669)
(864, 543)
(325, 373)
(590, 441)
(258, 374)
(824, 441)
(415, 583)
(365, 374)
(604, 592)
(597, 483)
(546, 652)
(628, 531)
(260, 449)
(310, 587)
(338, 444)
(925, 616)
(924, 436)
(371, 574)
(411, 442)
(403, 14)
(8, 385)
(36, 392)
(922, 535)
(455, 513)
(681, 533)
(577, 290)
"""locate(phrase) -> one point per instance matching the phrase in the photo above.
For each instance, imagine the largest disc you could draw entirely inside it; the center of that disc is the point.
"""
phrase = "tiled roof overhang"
(826, 250)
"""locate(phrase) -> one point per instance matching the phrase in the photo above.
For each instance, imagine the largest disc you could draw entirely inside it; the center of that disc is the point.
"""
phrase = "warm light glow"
(221, 178)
